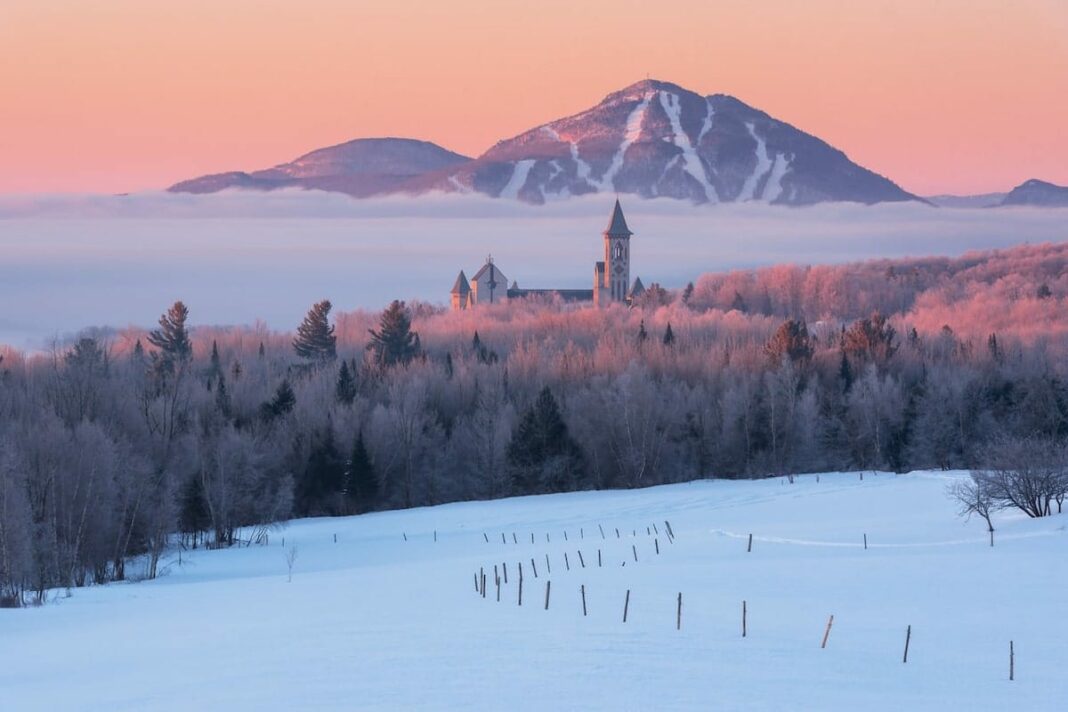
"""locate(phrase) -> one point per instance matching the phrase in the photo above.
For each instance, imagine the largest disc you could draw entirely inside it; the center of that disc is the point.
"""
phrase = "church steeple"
(617, 225)
(615, 281)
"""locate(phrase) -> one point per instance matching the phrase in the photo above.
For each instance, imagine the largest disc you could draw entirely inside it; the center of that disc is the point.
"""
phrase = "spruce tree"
(669, 335)
(791, 342)
(216, 362)
(222, 397)
(193, 514)
(643, 335)
(315, 336)
(361, 484)
(346, 385)
(138, 355)
(283, 402)
(172, 339)
(687, 293)
(394, 343)
(542, 455)
(323, 479)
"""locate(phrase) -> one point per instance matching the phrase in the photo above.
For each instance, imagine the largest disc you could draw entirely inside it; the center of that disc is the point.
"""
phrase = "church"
(611, 277)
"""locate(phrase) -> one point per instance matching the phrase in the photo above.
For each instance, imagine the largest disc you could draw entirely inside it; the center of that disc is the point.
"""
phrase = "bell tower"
(616, 257)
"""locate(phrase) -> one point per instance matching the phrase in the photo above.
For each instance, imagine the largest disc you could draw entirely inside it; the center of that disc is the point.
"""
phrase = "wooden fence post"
(669, 530)
(750, 547)
(908, 637)
(405, 534)
(598, 558)
(602, 530)
(583, 588)
(744, 616)
(565, 535)
(515, 539)
(498, 590)
(678, 613)
(865, 542)
(435, 537)
(626, 605)
(535, 567)
(827, 632)
(1012, 662)
(566, 562)
(635, 550)
(655, 530)
(548, 566)
(656, 542)
(521, 590)
(504, 568)
(582, 534)
(476, 583)
(547, 585)
(503, 540)
(581, 560)
(484, 536)
(617, 532)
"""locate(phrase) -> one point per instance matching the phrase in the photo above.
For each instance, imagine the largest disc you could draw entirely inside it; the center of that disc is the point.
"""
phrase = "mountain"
(651, 139)
(1038, 192)
(981, 200)
(360, 168)
(657, 139)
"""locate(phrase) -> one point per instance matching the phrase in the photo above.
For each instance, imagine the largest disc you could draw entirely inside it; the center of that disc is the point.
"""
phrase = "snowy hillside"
(388, 618)
(657, 139)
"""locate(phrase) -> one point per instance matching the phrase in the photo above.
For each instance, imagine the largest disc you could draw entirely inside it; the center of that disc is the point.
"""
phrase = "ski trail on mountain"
(774, 187)
(691, 161)
(633, 131)
(763, 165)
(518, 179)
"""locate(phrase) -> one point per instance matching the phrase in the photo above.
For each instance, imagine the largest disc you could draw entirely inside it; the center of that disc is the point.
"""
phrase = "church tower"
(612, 277)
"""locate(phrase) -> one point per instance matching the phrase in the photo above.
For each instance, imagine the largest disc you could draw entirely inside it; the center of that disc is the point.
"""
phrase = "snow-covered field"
(375, 621)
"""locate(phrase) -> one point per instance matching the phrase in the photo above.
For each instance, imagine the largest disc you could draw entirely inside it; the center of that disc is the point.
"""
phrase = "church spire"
(617, 226)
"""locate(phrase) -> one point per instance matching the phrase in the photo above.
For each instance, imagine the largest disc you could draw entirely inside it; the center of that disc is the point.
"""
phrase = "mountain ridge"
(650, 139)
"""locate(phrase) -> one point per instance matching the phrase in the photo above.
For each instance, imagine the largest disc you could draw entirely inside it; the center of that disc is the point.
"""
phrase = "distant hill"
(982, 200)
(360, 168)
(1038, 192)
(651, 139)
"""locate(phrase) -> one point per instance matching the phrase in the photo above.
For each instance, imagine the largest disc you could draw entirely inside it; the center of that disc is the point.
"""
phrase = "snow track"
(691, 160)
(763, 165)
(518, 179)
(630, 135)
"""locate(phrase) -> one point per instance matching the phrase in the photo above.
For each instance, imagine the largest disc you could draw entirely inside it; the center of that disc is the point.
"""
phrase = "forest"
(117, 445)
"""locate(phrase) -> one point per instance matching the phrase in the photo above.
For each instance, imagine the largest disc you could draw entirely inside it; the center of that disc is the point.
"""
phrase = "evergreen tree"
(193, 514)
(992, 346)
(790, 341)
(870, 339)
(687, 293)
(643, 335)
(262, 351)
(222, 397)
(394, 343)
(318, 489)
(315, 336)
(283, 402)
(542, 455)
(361, 484)
(172, 339)
(216, 362)
(346, 385)
(138, 355)
(738, 303)
(448, 366)
(669, 335)
(845, 373)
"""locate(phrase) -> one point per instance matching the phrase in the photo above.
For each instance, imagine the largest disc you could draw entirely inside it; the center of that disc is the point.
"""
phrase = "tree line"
(119, 445)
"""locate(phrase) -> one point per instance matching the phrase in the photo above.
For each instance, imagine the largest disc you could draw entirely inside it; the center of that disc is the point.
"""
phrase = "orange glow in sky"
(118, 95)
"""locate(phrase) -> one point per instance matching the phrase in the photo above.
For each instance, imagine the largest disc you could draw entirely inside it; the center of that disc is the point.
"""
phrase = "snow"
(519, 178)
(377, 622)
(633, 131)
(582, 169)
(763, 165)
(780, 168)
(693, 164)
(710, 113)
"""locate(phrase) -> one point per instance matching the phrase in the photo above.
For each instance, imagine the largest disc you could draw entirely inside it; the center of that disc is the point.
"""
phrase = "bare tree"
(291, 558)
(975, 497)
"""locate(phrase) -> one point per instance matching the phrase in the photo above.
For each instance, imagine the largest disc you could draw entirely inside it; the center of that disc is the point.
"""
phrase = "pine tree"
(216, 362)
(394, 343)
(346, 385)
(643, 335)
(222, 397)
(323, 479)
(283, 402)
(138, 355)
(790, 341)
(172, 339)
(669, 335)
(361, 484)
(315, 336)
(449, 369)
(687, 293)
(262, 351)
(193, 514)
(542, 454)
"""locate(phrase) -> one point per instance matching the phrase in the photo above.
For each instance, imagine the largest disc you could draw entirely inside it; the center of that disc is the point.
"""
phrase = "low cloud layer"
(235, 257)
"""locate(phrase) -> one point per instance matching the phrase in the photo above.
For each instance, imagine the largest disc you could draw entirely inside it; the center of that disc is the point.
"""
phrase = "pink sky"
(941, 95)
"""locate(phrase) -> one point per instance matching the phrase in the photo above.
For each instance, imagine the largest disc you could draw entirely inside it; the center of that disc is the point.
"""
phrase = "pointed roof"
(618, 224)
(461, 286)
(637, 288)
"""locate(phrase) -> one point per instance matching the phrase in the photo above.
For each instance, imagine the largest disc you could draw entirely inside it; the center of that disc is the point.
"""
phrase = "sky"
(942, 96)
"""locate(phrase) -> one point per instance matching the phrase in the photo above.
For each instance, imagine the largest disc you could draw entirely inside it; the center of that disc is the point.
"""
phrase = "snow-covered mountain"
(650, 139)
(1038, 192)
(360, 168)
(657, 139)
